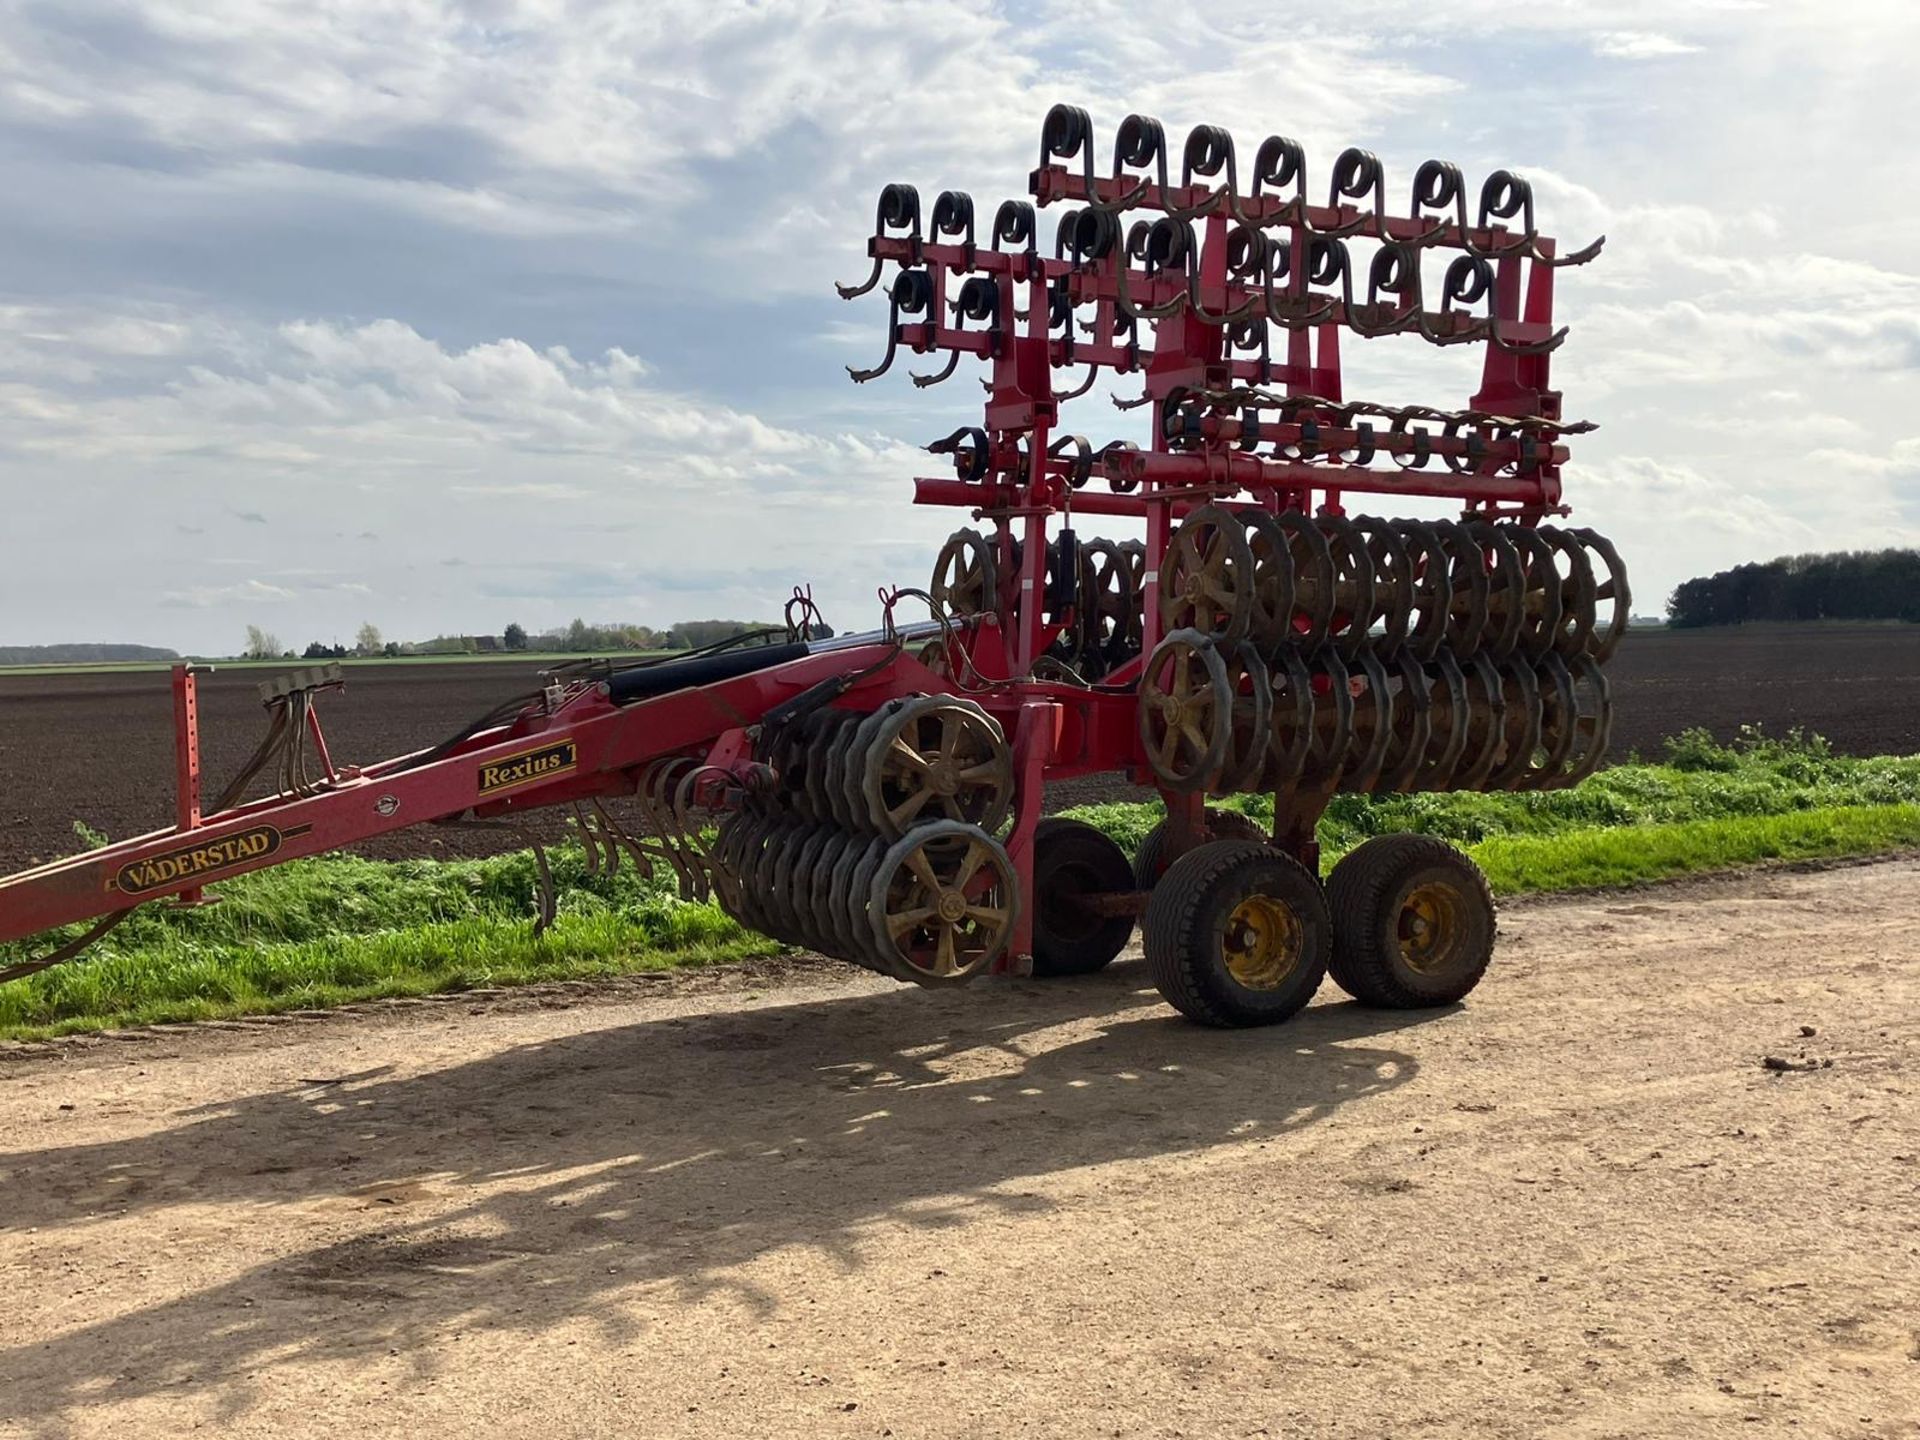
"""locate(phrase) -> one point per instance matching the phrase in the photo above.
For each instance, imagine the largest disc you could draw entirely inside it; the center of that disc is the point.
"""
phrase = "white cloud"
(1640, 45)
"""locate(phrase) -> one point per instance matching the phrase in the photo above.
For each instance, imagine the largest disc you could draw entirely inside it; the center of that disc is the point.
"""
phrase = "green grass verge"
(338, 928)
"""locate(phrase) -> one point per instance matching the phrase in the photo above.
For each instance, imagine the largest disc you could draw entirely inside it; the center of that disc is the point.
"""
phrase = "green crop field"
(338, 928)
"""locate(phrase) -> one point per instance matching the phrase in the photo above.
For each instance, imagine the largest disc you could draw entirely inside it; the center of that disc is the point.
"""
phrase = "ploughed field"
(99, 748)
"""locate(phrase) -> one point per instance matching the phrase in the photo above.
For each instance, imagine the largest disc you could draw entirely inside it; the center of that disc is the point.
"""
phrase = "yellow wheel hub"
(1262, 943)
(1432, 928)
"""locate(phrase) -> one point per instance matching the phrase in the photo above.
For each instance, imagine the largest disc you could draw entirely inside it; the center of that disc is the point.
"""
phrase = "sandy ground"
(804, 1205)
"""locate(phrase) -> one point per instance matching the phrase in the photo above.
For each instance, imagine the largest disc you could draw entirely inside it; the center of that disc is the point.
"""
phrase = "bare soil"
(786, 1202)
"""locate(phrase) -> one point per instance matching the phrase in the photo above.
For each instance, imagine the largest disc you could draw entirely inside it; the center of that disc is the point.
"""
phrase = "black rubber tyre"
(1150, 860)
(1413, 923)
(1237, 934)
(1071, 858)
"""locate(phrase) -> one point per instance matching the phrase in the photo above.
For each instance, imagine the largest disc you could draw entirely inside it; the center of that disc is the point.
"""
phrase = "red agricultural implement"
(879, 797)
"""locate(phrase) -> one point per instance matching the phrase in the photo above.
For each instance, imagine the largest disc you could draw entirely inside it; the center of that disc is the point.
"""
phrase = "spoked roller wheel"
(1314, 594)
(966, 579)
(1447, 722)
(1557, 716)
(936, 756)
(1114, 606)
(1519, 723)
(1506, 589)
(1613, 598)
(941, 903)
(1073, 863)
(1352, 584)
(1237, 934)
(1574, 634)
(1371, 733)
(1486, 724)
(1467, 583)
(1429, 579)
(1135, 553)
(800, 885)
(1591, 723)
(1392, 584)
(779, 899)
(1150, 861)
(1541, 604)
(852, 879)
(1251, 709)
(1186, 711)
(830, 737)
(1206, 576)
(1412, 727)
(847, 767)
(1273, 606)
(1332, 733)
(1413, 923)
(1290, 735)
(823, 898)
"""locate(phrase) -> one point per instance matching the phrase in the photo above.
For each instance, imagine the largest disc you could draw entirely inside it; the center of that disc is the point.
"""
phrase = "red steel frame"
(1057, 730)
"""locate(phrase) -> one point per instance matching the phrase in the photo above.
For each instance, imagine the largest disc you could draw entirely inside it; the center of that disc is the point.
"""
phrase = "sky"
(443, 315)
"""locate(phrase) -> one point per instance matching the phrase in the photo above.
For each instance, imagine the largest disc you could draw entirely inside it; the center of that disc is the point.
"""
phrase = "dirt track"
(803, 1205)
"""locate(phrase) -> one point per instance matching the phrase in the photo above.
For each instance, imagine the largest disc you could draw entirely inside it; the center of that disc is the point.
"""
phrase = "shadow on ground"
(549, 1177)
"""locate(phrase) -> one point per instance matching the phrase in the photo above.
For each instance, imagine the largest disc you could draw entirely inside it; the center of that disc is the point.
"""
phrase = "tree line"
(577, 638)
(1848, 585)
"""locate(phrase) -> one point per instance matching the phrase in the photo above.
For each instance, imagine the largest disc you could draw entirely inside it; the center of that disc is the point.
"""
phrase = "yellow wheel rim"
(1262, 943)
(1432, 928)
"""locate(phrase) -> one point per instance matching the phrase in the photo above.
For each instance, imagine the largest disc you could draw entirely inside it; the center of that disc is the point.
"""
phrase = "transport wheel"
(1413, 923)
(1072, 860)
(965, 578)
(1237, 934)
(941, 903)
(935, 757)
(1185, 711)
(1206, 576)
(1150, 861)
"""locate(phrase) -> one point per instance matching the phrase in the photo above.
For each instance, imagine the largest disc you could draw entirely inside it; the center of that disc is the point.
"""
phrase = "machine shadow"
(531, 1186)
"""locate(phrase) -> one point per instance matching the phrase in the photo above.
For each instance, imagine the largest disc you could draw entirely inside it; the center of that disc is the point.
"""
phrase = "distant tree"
(391, 649)
(692, 634)
(1860, 585)
(320, 650)
(514, 637)
(367, 641)
(261, 644)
